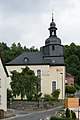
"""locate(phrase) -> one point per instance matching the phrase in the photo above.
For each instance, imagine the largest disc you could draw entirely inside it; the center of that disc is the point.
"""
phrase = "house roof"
(35, 58)
(4, 65)
(69, 75)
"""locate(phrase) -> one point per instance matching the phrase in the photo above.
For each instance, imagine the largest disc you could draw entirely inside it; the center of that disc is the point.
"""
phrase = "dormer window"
(25, 60)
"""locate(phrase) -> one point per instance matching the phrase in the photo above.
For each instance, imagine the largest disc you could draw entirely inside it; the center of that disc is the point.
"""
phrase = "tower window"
(53, 47)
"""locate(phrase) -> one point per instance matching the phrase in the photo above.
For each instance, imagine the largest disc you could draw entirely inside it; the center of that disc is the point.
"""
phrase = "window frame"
(53, 90)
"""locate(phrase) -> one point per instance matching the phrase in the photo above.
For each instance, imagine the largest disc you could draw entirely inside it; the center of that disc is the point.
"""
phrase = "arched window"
(39, 73)
(53, 86)
(39, 76)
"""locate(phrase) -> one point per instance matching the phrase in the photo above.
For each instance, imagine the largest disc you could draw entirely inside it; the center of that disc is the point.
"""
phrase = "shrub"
(47, 97)
(55, 118)
(55, 94)
(73, 115)
(70, 89)
(67, 113)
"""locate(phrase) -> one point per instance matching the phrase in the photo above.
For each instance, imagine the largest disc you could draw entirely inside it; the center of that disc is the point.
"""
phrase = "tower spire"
(52, 28)
(52, 17)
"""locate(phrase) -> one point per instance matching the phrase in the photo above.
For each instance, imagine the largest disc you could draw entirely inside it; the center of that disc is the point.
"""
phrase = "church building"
(48, 65)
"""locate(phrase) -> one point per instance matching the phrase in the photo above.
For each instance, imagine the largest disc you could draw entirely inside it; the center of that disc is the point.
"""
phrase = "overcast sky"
(27, 21)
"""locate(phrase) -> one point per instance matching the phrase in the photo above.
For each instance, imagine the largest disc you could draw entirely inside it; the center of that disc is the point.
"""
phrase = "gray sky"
(27, 21)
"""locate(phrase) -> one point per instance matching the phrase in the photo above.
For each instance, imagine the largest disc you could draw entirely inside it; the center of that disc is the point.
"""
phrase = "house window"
(53, 86)
(53, 47)
(39, 76)
(0, 99)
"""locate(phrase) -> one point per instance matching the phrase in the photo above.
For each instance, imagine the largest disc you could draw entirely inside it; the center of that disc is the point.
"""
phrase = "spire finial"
(52, 17)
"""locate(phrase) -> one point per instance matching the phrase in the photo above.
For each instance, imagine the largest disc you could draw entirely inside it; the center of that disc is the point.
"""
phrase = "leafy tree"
(24, 83)
(70, 89)
(72, 60)
(77, 87)
(17, 84)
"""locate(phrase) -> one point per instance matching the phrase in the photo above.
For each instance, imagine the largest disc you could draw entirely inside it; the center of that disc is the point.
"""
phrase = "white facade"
(48, 75)
(3, 87)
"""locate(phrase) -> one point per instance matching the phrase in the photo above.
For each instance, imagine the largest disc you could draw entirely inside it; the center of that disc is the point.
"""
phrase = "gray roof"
(36, 58)
(53, 40)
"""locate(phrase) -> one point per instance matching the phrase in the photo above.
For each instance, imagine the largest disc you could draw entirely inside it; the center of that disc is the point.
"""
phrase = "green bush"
(55, 94)
(47, 97)
(73, 115)
(67, 113)
(55, 118)
(70, 89)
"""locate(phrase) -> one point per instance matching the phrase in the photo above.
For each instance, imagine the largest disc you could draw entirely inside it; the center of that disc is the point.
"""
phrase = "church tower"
(53, 50)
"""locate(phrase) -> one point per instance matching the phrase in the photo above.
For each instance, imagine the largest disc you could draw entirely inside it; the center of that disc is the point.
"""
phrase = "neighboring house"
(48, 65)
(69, 80)
(3, 85)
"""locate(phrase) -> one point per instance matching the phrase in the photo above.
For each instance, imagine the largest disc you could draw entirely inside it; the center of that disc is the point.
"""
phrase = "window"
(53, 86)
(52, 32)
(25, 60)
(53, 47)
(39, 76)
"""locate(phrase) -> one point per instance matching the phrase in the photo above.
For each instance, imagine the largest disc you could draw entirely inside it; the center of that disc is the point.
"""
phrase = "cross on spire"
(52, 17)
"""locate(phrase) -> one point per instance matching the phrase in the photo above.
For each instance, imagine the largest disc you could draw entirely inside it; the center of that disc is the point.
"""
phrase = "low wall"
(29, 106)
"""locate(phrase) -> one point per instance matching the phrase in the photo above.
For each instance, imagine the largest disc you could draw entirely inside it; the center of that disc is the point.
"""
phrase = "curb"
(47, 118)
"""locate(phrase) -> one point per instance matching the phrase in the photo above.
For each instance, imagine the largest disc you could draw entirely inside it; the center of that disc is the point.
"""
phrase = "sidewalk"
(9, 113)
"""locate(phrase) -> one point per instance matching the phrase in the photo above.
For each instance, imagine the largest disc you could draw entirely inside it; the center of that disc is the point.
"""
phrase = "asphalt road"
(35, 115)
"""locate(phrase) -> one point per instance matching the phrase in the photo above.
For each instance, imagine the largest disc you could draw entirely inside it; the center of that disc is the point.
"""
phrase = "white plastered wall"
(48, 74)
(3, 88)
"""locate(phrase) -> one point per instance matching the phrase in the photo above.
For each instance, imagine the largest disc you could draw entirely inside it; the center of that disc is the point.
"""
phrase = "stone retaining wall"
(30, 106)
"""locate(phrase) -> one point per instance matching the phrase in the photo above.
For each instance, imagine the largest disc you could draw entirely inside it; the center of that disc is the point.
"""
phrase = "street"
(35, 115)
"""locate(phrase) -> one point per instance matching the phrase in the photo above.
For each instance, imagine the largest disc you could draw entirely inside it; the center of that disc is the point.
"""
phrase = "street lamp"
(62, 84)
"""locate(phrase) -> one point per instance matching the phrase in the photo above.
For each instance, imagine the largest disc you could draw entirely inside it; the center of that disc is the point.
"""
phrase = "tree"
(17, 84)
(70, 89)
(24, 83)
